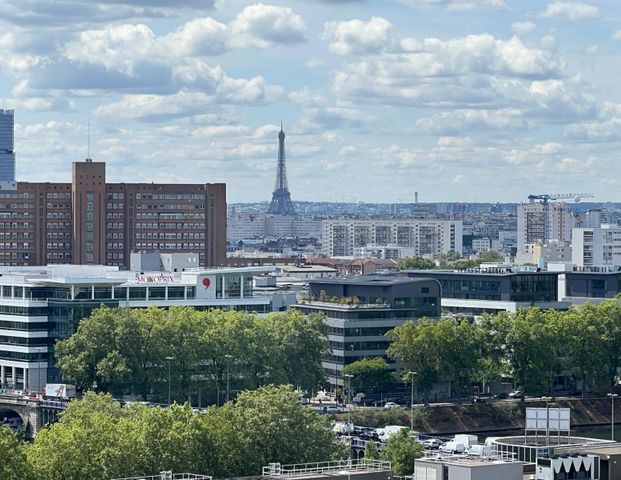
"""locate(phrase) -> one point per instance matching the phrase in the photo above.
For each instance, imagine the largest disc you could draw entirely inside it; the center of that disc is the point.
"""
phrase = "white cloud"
(358, 36)
(213, 131)
(458, 5)
(115, 46)
(457, 122)
(120, 46)
(616, 35)
(571, 10)
(315, 63)
(606, 128)
(202, 86)
(477, 71)
(264, 26)
(523, 28)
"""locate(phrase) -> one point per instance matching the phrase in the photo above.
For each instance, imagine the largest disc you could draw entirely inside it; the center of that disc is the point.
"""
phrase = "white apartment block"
(425, 237)
(390, 252)
(252, 225)
(595, 247)
(534, 225)
(480, 245)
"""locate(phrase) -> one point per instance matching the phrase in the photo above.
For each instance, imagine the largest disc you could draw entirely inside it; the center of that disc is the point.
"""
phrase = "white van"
(453, 447)
(389, 430)
(466, 439)
(479, 451)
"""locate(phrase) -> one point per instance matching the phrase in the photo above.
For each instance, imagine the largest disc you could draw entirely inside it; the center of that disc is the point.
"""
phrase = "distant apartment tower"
(540, 223)
(425, 237)
(596, 247)
(92, 222)
(7, 150)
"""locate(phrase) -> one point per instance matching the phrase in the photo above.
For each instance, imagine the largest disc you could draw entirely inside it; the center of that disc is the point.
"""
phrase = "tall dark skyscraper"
(7, 153)
(281, 198)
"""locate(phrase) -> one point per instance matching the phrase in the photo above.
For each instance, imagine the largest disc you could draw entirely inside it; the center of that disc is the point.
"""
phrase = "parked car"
(332, 409)
(432, 444)
(478, 399)
(501, 396)
(453, 447)
(390, 405)
(515, 394)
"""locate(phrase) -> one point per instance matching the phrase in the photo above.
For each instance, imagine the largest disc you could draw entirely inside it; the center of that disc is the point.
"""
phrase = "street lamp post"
(169, 359)
(349, 425)
(612, 416)
(547, 400)
(412, 374)
(228, 376)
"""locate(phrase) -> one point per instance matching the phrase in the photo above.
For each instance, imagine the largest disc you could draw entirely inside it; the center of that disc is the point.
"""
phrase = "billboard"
(552, 419)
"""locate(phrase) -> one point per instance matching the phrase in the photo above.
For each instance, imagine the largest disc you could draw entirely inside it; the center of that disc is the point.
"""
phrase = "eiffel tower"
(281, 198)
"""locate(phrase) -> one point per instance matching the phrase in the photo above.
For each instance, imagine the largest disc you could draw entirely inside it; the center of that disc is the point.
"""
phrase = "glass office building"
(7, 152)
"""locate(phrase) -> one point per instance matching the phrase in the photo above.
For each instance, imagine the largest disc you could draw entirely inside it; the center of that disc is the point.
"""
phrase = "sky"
(458, 100)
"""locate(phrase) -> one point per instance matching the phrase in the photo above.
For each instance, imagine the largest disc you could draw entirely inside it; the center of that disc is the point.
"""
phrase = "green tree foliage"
(464, 264)
(490, 256)
(452, 255)
(532, 346)
(530, 349)
(401, 449)
(443, 350)
(415, 263)
(98, 439)
(370, 451)
(13, 465)
(370, 375)
(126, 350)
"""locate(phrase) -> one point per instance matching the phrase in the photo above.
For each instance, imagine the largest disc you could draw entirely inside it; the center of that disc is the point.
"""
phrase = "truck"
(59, 391)
(467, 440)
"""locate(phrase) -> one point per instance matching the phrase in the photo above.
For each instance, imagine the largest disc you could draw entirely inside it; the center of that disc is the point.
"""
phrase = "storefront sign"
(161, 278)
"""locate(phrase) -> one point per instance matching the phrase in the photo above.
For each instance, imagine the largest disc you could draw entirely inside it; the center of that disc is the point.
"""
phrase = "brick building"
(89, 221)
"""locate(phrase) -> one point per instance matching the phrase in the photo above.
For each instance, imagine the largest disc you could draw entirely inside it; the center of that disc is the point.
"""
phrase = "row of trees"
(450, 260)
(531, 346)
(126, 350)
(96, 439)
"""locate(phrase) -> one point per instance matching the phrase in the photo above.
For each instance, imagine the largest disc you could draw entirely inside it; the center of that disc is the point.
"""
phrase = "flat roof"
(486, 273)
(606, 449)
(370, 280)
(464, 460)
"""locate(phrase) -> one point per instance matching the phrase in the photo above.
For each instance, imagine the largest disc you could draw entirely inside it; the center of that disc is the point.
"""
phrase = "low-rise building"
(479, 291)
(580, 285)
(306, 272)
(40, 305)
(461, 467)
(359, 311)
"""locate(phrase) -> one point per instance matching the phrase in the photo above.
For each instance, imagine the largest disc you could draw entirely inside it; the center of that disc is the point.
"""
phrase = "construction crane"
(545, 199)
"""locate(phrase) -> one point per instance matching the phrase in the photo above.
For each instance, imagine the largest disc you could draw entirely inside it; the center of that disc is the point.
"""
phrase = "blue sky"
(460, 100)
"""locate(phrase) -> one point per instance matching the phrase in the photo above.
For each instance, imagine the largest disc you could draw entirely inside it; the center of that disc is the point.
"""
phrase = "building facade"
(476, 292)
(358, 330)
(596, 247)
(540, 223)
(7, 150)
(92, 222)
(426, 237)
(40, 305)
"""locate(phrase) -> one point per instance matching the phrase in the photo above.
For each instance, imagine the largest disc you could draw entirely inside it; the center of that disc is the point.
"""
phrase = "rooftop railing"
(339, 467)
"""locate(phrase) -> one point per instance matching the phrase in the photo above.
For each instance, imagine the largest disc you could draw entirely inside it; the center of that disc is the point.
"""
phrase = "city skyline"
(460, 100)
